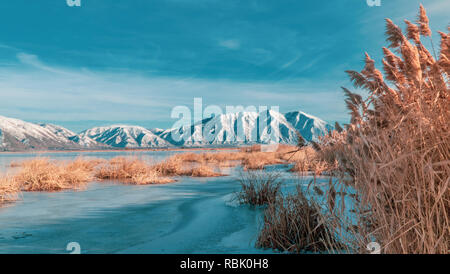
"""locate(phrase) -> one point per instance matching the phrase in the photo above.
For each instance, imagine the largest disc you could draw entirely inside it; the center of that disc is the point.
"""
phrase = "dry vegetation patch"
(173, 166)
(293, 223)
(204, 171)
(397, 147)
(41, 174)
(130, 170)
(258, 188)
(252, 158)
(9, 189)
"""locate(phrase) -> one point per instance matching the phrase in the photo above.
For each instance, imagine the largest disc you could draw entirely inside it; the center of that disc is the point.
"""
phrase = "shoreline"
(117, 150)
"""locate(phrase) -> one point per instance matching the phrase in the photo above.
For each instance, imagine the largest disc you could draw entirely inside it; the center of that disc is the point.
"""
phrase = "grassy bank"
(44, 174)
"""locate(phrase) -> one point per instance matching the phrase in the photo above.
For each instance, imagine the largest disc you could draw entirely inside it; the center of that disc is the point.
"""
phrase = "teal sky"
(133, 61)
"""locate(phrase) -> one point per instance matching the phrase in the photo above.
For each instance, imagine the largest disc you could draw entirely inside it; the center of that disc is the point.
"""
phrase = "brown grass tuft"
(258, 187)
(131, 171)
(251, 158)
(294, 224)
(204, 171)
(173, 166)
(150, 177)
(41, 174)
(9, 189)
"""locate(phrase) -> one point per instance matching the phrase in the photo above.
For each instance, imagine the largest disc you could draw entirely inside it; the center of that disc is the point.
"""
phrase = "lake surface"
(193, 215)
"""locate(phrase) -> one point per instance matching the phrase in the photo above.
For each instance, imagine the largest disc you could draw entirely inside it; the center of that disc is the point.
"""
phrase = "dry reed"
(41, 174)
(397, 147)
(173, 166)
(258, 187)
(204, 171)
(131, 171)
(9, 189)
(294, 224)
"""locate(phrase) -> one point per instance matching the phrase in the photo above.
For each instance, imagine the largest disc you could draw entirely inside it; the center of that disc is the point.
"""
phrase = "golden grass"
(258, 160)
(151, 177)
(173, 166)
(41, 174)
(121, 168)
(397, 147)
(214, 158)
(292, 223)
(251, 158)
(306, 160)
(131, 171)
(136, 171)
(258, 187)
(9, 189)
(204, 171)
(188, 164)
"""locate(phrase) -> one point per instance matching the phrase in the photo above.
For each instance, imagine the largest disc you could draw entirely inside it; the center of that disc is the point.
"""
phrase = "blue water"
(193, 215)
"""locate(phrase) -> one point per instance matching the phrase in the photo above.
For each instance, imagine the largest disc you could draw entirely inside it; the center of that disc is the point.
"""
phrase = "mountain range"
(231, 129)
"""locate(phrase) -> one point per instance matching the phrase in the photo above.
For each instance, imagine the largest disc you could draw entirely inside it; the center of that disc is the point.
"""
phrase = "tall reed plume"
(396, 148)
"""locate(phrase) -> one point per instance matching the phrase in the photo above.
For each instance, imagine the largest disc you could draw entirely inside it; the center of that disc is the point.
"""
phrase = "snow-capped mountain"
(83, 141)
(124, 136)
(241, 128)
(308, 126)
(16, 135)
(248, 128)
(157, 131)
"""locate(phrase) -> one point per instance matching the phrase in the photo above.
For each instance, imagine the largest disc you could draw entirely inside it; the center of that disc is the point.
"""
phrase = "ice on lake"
(193, 215)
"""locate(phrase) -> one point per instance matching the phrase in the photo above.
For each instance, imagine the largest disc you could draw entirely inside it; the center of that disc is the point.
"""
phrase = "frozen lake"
(193, 215)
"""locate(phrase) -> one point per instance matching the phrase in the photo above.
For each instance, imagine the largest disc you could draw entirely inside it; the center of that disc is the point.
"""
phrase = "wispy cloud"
(159, 54)
(5, 46)
(70, 94)
(29, 59)
(291, 62)
(33, 61)
(232, 44)
(438, 8)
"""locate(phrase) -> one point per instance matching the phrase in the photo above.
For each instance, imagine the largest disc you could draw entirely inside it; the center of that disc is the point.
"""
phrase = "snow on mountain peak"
(125, 136)
(20, 135)
(247, 128)
(240, 128)
(310, 127)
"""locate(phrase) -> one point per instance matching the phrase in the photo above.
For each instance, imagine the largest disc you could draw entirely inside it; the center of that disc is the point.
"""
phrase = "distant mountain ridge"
(235, 129)
(124, 136)
(79, 139)
(310, 127)
(18, 135)
(231, 129)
